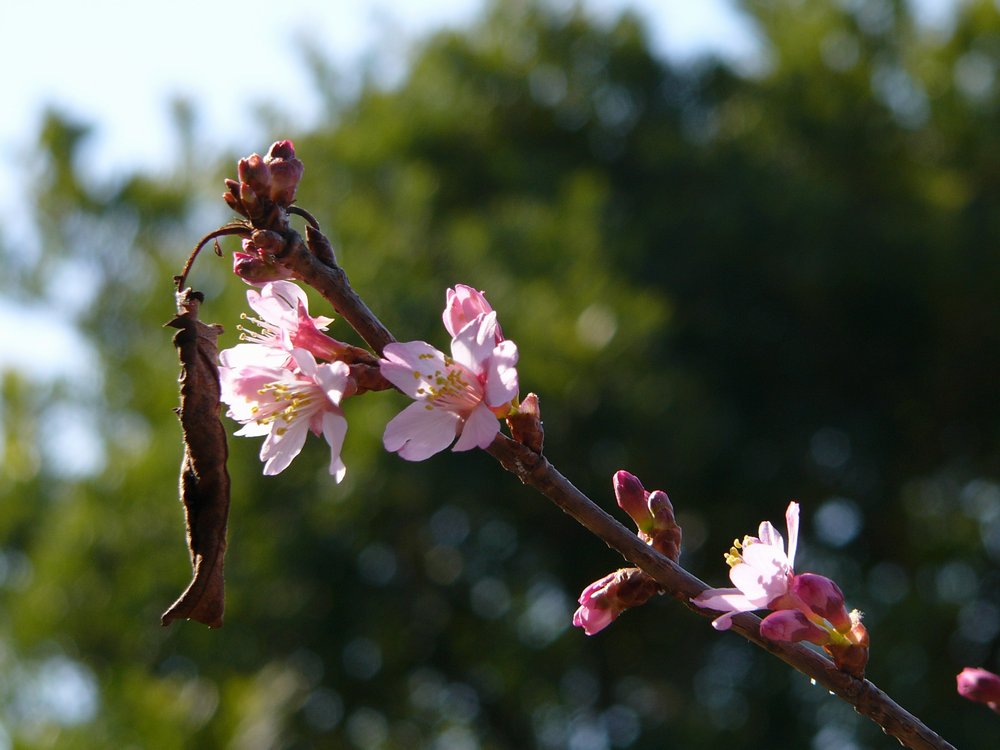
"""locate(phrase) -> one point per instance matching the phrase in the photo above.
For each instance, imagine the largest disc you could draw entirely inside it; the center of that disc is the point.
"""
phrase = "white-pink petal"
(411, 366)
(501, 375)
(420, 431)
(474, 344)
(333, 379)
(334, 432)
(480, 427)
(283, 443)
(769, 535)
(728, 601)
(759, 588)
(792, 524)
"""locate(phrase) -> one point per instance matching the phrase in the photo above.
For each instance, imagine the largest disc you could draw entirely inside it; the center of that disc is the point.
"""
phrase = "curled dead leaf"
(204, 480)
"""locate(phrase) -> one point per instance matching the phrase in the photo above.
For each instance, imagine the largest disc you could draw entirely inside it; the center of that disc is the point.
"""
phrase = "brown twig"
(235, 227)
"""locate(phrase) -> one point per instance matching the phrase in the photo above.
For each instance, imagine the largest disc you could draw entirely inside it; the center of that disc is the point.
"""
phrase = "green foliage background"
(743, 289)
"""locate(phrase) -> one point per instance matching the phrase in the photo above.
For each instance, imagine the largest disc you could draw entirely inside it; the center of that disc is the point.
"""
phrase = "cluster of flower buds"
(603, 600)
(805, 606)
(266, 185)
(980, 685)
(652, 512)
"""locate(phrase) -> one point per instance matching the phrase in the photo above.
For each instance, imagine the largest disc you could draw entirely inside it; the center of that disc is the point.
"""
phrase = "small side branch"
(233, 228)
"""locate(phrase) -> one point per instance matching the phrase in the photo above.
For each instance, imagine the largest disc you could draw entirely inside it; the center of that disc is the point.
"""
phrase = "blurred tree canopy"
(742, 287)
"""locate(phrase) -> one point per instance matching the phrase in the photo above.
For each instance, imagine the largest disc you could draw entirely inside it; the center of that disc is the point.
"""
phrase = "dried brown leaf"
(204, 482)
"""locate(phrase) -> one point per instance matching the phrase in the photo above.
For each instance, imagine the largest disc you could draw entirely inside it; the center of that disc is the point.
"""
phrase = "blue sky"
(117, 64)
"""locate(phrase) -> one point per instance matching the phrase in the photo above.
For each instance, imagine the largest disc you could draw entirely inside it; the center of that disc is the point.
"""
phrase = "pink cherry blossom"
(760, 569)
(285, 402)
(461, 395)
(283, 324)
(464, 304)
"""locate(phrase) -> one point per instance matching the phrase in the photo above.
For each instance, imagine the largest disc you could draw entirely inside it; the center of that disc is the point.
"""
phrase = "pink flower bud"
(254, 172)
(462, 305)
(526, 423)
(286, 172)
(606, 598)
(823, 597)
(792, 625)
(665, 535)
(256, 268)
(979, 685)
(248, 197)
(281, 150)
(851, 657)
(232, 197)
(632, 498)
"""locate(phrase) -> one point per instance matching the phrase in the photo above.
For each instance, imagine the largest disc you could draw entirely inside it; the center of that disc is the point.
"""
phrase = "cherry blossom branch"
(534, 470)
(273, 251)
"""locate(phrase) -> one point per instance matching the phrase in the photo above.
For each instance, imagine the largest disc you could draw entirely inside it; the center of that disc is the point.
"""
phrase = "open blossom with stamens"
(285, 402)
(461, 395)
(807, 607)
(283, 324)
(760, 569)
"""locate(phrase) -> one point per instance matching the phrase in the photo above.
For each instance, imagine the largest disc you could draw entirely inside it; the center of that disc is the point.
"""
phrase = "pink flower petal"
(410, 366)
(592, 619)
(792, 524)
(420, 431)
(724, 600)
(474, 344)
(333, 379)
(501, 374)
(758, 588)
(334, 431)
(283, 443)
(480, 427)
(770, 535)
(462, 305)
